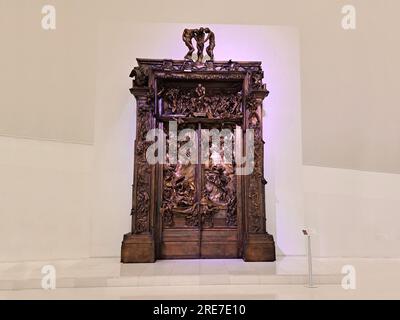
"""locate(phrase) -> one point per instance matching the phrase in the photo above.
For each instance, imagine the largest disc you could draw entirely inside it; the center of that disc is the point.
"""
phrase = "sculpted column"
(258, 244)
(138, 246)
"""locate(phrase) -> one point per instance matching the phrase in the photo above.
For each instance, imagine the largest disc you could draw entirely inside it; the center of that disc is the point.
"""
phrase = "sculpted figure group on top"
(201, 35)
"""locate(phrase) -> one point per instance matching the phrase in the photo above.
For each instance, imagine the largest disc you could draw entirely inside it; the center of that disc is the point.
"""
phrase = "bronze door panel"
(199, 210)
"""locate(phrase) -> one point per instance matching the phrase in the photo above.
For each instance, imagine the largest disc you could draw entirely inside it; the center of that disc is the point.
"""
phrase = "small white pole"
(309, 256)
(310, 278)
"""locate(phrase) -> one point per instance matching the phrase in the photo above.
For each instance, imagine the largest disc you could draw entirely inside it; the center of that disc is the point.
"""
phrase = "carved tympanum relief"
(195, 102)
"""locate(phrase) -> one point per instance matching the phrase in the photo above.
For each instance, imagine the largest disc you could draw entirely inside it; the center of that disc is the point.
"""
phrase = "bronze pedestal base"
(141, 249)
(137, 249)
(259, 248)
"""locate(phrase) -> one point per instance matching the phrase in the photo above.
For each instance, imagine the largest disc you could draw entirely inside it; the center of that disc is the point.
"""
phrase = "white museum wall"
(45, 199)
(354, 213)
(48, 76)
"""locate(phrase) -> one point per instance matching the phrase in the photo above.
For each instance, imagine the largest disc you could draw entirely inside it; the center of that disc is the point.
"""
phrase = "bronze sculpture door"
(198, 212)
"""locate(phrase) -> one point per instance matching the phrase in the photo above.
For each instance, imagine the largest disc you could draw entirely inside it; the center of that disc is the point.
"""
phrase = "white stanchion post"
(309, 256)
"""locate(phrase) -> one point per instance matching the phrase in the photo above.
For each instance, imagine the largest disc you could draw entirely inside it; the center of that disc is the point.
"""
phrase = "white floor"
(106, 278)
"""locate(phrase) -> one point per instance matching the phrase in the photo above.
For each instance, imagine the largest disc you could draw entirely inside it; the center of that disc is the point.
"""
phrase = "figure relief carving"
(256, 179)
(219, 195)
(141, 210)
(257, 81)
(195, 102)
(140, 76)
(179, 193)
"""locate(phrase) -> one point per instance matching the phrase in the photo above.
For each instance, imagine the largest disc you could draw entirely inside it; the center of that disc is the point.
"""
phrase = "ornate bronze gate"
(202, 209)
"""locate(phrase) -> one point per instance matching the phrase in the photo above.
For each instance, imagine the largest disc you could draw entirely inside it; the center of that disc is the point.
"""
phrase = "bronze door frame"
(142, 243)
